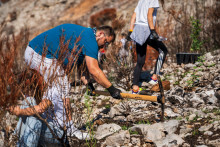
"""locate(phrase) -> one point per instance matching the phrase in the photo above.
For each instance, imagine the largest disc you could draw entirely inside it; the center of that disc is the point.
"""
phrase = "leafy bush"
(195, 35)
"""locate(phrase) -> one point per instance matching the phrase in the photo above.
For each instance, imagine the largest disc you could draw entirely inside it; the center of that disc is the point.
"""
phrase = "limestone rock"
(205, 128)
(171, 126)
(170, 140)
(106, 130)
(150, 132)
(118, 139)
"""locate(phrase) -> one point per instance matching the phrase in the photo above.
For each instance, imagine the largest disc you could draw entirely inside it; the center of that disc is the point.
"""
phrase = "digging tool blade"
(162, 98)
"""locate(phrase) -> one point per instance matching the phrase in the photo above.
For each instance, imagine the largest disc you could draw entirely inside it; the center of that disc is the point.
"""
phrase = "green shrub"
(195, 35)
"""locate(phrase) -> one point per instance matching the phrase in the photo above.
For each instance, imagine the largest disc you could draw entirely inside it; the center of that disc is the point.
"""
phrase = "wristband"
(130, 30)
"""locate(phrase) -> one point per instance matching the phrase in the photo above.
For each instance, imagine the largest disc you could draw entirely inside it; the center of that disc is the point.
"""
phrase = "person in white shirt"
(44, 114)
(142, 31)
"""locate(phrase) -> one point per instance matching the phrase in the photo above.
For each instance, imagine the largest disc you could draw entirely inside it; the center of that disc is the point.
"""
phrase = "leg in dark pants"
(141, 56)
(161, 48)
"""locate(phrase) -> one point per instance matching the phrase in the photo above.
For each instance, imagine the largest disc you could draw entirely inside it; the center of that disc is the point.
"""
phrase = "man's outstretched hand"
(115, 93)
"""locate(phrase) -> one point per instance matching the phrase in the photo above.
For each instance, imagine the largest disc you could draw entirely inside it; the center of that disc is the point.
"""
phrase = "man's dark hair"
(108, 30)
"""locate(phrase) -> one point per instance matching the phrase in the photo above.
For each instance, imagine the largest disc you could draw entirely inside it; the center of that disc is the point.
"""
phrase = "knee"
(165, 51)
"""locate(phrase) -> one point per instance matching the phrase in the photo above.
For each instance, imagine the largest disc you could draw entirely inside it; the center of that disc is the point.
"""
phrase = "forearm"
(100, 78)
(32, 110)
(133, 18)
(96, 72)
(150, 18)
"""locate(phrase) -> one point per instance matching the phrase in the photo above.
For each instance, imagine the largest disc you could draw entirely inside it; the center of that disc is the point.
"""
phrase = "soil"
(192, 140)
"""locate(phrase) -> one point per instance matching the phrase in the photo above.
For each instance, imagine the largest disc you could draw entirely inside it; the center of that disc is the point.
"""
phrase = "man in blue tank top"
(60, 42)
(57, 51)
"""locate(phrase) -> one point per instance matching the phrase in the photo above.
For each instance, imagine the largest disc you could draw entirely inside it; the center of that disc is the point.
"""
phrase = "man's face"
(104, 40)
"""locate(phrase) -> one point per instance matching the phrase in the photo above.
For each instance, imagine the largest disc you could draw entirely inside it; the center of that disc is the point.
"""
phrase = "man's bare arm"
(40, 108)
(133, 18)
(96, 72)
(150, 18)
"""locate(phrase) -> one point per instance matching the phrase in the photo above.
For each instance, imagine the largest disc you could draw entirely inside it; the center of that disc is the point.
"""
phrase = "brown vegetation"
(11, 65)
(100, 18)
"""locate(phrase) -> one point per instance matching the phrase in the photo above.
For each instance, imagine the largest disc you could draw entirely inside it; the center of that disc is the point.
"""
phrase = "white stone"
(192, 116)
(171, 126)
(205, 128)
(209, 133)
(170, 113)
(116, 110)
(106, 130)
(118, 139)
(135, 141)
(169, 140)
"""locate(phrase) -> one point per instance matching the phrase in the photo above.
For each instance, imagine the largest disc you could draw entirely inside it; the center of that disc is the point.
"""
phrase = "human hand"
(91, 89)
(114, 92)
(15, 110)
(154, 34)
(129, 34)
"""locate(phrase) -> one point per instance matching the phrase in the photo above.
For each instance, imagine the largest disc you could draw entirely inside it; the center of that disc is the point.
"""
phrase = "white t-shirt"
(141, 11)
(55, 93)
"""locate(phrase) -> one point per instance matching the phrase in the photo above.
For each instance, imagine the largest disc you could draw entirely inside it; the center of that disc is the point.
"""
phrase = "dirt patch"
(83, 143)
(197, 137)
(75, 13)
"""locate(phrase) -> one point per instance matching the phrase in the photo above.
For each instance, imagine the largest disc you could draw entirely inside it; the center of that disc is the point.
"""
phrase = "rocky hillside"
(192, 114)
(41, 15)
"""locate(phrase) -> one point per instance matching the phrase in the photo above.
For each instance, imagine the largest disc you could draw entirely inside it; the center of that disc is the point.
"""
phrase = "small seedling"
(124, 127)
(133, 132)
(195, 132)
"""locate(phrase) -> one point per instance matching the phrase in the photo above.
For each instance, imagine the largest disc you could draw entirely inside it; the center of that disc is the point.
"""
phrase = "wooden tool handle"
(139, 97)
(130, 96)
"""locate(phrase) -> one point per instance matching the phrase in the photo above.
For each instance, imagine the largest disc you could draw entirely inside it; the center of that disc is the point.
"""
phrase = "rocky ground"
(192, 114)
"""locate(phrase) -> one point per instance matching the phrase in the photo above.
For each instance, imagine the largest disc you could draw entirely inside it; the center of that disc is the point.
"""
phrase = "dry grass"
(17, 80)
